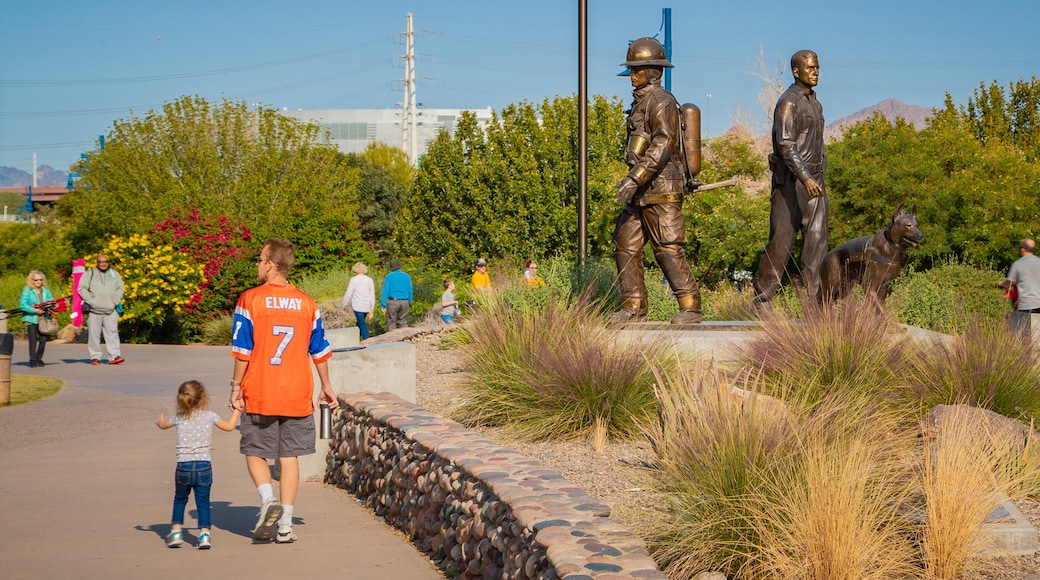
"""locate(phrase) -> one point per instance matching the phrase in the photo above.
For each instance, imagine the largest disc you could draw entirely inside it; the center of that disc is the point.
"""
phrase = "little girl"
(194, 470)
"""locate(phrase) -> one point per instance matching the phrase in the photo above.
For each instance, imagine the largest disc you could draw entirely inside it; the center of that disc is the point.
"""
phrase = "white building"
(353, 129)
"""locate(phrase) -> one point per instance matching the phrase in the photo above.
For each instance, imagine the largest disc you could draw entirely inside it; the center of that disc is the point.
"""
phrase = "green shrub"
(36, 246)
(948, 297)
(328, 284)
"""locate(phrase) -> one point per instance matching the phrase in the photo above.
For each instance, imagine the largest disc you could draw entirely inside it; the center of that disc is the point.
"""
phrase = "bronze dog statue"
(871, 261)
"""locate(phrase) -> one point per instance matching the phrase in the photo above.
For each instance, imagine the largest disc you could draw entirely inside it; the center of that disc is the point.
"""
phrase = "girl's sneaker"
(174, 539)
(285, 535)
(204, 543)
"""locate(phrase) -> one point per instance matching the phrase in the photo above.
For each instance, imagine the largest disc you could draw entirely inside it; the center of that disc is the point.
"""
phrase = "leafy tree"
(34, 246)
(725, 226)
(973, 200)
(386, 175)
(511, 188)
(1011, 117)
(256, 167)
(11, 201)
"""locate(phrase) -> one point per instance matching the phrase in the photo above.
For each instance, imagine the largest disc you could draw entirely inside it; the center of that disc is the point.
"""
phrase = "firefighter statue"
(661, 166)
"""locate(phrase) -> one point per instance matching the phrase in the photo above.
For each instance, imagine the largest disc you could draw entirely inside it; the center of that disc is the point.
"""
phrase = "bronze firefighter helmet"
(646, 52)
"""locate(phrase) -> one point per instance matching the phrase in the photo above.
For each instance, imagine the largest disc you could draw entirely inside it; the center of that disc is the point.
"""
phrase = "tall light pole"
(583, 147)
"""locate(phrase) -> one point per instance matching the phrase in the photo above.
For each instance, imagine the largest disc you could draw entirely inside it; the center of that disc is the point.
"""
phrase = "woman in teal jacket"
(35, 292)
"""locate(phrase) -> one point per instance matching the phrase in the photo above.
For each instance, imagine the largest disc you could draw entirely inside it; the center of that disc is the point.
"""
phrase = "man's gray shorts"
(272, 437)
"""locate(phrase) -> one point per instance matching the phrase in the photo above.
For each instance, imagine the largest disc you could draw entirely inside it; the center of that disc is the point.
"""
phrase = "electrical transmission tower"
(409, 138)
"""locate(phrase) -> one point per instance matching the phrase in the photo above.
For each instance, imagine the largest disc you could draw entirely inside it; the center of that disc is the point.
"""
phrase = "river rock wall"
(480, 510)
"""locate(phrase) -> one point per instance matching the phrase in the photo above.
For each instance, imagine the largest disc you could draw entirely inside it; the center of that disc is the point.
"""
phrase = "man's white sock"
(286, 515)
(266, 492)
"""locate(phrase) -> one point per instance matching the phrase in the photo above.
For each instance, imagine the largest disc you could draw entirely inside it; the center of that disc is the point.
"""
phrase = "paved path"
(86, 484)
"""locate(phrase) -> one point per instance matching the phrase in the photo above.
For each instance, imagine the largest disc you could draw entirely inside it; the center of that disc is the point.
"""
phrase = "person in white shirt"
(360, 297)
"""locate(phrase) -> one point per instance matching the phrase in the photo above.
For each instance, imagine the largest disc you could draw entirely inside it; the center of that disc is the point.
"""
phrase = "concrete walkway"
(86, 484)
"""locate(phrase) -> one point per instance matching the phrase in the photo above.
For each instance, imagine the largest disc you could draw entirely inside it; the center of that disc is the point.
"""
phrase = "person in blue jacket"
(396, 297)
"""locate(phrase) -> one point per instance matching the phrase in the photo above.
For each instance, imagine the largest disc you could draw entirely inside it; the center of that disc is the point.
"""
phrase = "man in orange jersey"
(277, 332)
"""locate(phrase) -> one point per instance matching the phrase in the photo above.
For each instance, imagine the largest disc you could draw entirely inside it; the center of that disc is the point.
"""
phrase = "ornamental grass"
(855, 348)
(757, 490)
(968, 468)
(544, 366)
(987, 365)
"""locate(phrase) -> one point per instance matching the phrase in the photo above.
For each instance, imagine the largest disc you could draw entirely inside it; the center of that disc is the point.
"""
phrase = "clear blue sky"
(70, 68)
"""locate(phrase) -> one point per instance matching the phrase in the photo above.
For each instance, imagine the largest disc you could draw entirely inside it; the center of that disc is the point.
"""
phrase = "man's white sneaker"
(266, 525)
(285, 535)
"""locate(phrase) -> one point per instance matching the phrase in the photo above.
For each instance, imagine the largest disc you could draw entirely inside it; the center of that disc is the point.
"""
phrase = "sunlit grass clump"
(968, 466)
(758, 491)
(548, 368)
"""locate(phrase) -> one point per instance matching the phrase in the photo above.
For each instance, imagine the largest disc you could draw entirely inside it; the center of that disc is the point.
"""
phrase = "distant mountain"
(46, 176)
(891, 108)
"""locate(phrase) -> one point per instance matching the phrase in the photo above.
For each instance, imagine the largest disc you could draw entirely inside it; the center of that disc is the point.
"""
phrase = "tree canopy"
(273, 173)
(511, 188)
(974, 200)
(1011, 117)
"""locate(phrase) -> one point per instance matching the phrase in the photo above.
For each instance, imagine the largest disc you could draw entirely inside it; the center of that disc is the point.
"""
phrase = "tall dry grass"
(836, 512)
(758, 491)
(967, 468)
(711, 449)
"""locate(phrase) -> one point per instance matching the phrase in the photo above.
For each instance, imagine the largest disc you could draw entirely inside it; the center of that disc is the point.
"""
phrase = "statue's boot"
(689, 311)
(632, 310)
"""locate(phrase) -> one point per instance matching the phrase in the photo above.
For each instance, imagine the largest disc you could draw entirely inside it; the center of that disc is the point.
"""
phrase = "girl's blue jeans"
(197, 475)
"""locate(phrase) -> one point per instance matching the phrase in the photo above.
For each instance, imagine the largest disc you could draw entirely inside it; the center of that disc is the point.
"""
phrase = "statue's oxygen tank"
(690, 118)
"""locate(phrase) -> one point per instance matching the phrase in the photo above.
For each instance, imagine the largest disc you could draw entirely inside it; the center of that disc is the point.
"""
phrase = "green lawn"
(25, 388)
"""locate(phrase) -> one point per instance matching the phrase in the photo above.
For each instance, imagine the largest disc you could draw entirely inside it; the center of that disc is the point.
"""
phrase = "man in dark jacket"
(652, 192)
(799, 199)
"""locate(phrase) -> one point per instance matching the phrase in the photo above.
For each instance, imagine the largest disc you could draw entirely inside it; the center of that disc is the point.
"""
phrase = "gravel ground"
(615, 475)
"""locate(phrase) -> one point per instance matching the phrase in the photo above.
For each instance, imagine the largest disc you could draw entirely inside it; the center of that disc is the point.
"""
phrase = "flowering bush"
(222, 248)
(159, 282)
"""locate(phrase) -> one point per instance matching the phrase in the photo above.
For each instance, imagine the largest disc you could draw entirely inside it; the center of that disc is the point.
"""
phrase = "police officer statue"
(652, 192)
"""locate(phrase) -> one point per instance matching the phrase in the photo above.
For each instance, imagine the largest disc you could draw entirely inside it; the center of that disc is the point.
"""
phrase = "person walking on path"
(396, 297)
(798, 202)
(360, 297)
(102, 289)
(34, 294)
(277, 334)
(1023, 279)
(194, 424)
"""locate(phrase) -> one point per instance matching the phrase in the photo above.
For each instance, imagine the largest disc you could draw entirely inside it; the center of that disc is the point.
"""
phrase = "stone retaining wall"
(480, 510)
